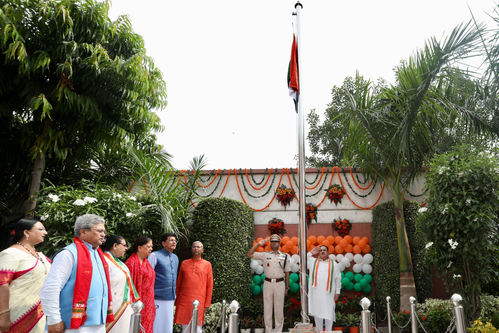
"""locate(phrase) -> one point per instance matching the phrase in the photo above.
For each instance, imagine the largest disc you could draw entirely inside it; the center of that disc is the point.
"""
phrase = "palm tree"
(167, 193)
(393, 134)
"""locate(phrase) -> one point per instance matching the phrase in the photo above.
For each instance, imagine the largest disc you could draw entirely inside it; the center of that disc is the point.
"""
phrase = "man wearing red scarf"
(76, 295)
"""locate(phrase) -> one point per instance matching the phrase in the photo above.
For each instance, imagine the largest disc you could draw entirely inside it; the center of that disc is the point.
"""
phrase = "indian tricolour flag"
(293, 78)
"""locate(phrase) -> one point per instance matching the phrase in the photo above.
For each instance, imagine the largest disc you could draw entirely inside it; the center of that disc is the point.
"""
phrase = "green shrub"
(386, 273)
(211, 318)
(480, 327)
(495, 320)
(490, 306)
(460, 222)
(226, 229)
(58, 208)
(436, 315)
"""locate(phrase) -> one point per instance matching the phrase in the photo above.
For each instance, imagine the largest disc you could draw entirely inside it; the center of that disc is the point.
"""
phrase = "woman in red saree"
(22, 273)
(143, 276)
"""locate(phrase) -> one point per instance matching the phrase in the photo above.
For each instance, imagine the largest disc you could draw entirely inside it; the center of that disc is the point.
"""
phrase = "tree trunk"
(36, 178)
(36, 174)
(407, 284)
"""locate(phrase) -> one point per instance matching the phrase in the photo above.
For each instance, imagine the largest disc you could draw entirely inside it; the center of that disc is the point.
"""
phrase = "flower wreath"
(342, 227)
(310, 212)
(335, 193)
(285, 195)
(276, 226)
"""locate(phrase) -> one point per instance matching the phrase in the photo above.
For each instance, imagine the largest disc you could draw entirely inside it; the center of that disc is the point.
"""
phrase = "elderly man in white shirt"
(323, 287)
(76, 294)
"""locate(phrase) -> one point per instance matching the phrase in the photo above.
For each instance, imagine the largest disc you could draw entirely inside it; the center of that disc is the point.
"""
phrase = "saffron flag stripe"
(293, 74)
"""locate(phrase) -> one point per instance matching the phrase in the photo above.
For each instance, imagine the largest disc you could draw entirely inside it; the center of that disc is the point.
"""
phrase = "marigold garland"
(276, 226)
(285, 195)
(335, 193)
(310, 213)
(342, 227)
(254, 196)
(264, 175)
(375, 180)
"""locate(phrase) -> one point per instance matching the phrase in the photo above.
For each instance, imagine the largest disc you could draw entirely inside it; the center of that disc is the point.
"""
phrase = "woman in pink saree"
(22, 273)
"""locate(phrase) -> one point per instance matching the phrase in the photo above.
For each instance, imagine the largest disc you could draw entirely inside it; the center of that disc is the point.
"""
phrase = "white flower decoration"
(429, 245)
(422, 210)
(90, 199)
(456, 276)
(116, 195)
(453, 244)
(132, 198)
(54, 197)
(130, 214)
(450, 263)
(44, 217)
(79, 202)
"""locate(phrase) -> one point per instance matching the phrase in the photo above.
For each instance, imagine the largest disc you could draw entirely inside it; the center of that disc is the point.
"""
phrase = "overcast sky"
(225, 65)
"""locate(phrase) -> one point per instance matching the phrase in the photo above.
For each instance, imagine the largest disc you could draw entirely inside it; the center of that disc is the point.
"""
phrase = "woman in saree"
(122, 288)
(143, 276)
(22, 273)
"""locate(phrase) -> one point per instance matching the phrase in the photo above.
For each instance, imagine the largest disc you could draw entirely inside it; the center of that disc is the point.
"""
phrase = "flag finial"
(298, 4)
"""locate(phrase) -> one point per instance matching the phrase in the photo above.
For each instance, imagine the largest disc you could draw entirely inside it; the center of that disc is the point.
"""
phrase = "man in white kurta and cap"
(323, 287)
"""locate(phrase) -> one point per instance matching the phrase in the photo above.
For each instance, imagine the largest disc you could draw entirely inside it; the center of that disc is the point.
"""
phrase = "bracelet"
(4, 311)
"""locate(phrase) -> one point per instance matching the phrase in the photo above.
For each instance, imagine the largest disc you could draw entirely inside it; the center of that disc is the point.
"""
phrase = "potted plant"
(258, 324)
(353, 322)
(339, 322)
(245, 324)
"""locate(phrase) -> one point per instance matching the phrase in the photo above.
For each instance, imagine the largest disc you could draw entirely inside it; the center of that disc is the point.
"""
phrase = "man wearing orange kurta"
(195, 282)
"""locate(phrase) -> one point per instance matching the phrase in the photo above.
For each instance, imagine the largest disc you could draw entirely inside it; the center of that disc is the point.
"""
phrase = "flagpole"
(301, 176)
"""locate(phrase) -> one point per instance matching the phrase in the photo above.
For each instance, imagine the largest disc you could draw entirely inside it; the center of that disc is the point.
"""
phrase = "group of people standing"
(88, 289)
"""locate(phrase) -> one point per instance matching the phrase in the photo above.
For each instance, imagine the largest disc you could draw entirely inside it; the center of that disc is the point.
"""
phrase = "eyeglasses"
(101, 231)
(123, 244)
(274, 241)
(42, 229)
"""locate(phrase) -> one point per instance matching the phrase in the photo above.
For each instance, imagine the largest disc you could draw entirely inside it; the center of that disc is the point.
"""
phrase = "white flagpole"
(301, 176)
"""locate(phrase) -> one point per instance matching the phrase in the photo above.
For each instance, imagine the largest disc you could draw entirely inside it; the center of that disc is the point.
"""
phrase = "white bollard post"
(459, 313)
(136, 316)
(234, 317)
(414, 320)
(365, 319)
(194, 318)
(389, 314)
(222, 328)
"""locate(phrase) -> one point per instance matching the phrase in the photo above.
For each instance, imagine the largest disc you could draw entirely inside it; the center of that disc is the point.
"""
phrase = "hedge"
(226, 229)
(386, 274)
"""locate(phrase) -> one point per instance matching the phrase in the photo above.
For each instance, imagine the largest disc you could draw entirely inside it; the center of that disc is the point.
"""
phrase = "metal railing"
(233, 318)
(457, 322)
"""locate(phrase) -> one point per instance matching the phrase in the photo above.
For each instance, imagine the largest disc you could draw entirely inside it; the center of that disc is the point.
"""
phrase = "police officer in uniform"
(276, 268)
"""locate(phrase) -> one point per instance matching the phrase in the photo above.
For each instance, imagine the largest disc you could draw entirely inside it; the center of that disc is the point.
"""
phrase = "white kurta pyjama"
(321, 302)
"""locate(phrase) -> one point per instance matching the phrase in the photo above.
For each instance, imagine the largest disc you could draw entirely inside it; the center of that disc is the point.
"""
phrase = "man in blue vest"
(165, 263)
(76, 295)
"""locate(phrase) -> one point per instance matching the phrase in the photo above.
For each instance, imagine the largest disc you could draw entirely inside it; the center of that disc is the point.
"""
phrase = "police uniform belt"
(274, 280)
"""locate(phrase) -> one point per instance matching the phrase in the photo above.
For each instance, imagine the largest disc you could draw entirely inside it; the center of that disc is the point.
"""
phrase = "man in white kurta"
(324, 287)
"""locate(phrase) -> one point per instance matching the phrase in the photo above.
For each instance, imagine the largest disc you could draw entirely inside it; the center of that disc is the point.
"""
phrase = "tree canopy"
(72, 82)
(326, 138)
